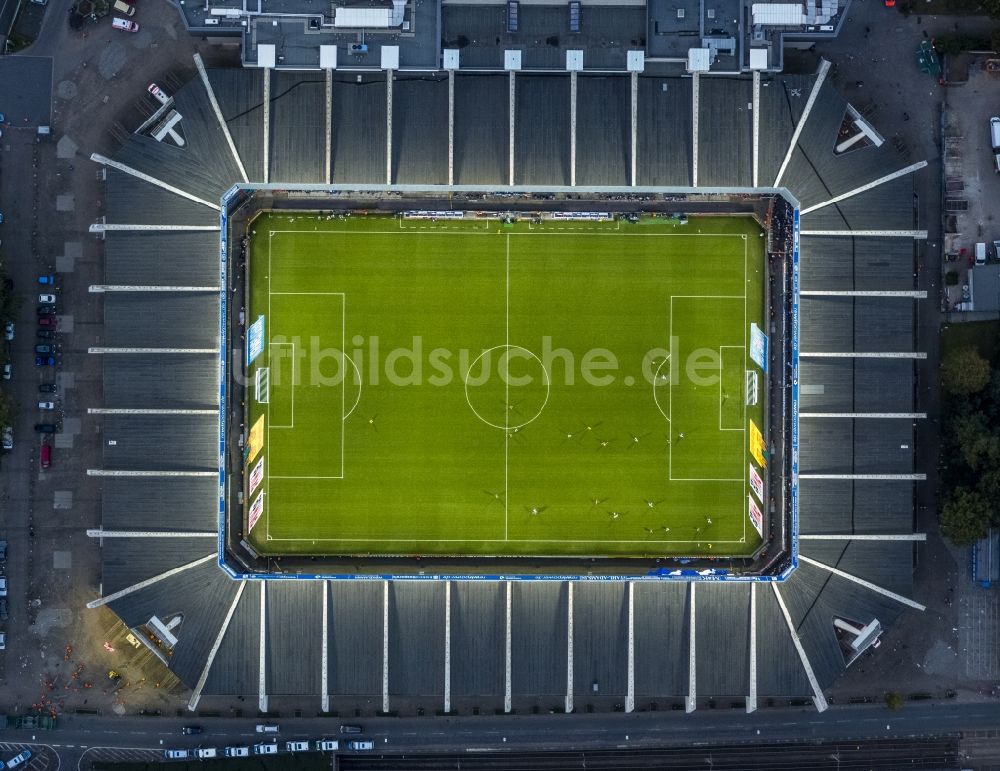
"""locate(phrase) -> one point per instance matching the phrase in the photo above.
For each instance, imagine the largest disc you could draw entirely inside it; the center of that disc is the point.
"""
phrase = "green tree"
(995, 39)
(965, 517)
(979, 448)
(894, 700)
(964, 371)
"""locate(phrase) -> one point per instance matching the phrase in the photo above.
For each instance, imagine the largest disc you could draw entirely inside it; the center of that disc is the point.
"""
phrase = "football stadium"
(473, 392)
(520, 439)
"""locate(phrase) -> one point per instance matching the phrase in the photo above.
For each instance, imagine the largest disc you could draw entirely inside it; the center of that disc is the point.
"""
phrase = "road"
(533, 733)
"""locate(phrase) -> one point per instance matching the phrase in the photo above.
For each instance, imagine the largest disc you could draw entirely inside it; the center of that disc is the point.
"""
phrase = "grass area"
(569, 388)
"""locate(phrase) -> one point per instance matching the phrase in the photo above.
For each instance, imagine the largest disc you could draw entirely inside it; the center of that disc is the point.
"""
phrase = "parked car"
(360, 745)
(47, 320)
(46, 309)
(45, 334)
(125, 25)
(45, 456)
(47, 388)
(45, 361)
(6, 371)
(8, 331)
(297, 746)
(44, 348)
(175, 754)
(266, 749)
(191, 730)
(8, 439)
(3, 586)
(47, 299)
(206, 753)
(350, 729)
(266, 729)
(3, 641)
(48, 280)
(157, 93)
(45, 428)
(17, 760)
(327, 745)
(236, 752)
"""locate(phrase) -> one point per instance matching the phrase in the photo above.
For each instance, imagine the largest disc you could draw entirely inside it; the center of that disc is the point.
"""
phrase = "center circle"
(507, 387)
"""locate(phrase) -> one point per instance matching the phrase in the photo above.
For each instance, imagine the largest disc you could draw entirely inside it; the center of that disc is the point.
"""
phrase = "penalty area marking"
(721, 400)
(290, 385)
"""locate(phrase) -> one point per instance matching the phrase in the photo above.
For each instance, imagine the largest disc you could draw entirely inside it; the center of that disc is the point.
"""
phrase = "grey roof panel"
(240, 94)
(138, 381)
(888, 564)
(161, 442)
(298, 127)
(420, 129)
(541, 130)
(855, 385)
(840, 173)
(294, 637)
(723, 629)
(359, 125)
(661, 631)
(143, 258)
(236, 668)
(884, 324)
(843, 506)
(172, 503)
(782, 100)
(416, 638)
(836, 263)
(131, 201)
(202, 167)
(200, 596)
(538, 638)
(354, 649)
(478, 632)
(664, 131)
(826, 324)
(857, 447)
(888, 206)
(725, 132)
(128, 561)
(161, 320)
(603, 130)
(482, 128)
(779, 670)
(600, 638)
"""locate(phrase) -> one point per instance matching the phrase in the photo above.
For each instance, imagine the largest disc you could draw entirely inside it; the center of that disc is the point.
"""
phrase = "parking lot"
(972, 184)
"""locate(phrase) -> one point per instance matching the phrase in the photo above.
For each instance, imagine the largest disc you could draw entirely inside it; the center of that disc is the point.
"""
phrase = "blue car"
(45, 361)
(49, 280)
(43, 349)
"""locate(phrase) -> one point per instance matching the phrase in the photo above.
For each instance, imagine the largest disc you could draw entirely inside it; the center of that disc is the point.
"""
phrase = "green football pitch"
(479, 388)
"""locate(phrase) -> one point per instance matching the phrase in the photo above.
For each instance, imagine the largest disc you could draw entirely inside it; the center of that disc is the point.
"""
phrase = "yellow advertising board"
(256, 442)
(758, 449)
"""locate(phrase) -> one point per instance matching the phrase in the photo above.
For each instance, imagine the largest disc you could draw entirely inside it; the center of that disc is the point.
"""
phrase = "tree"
(965, 517)
(979, 448)
(894, 700)
(964, 371)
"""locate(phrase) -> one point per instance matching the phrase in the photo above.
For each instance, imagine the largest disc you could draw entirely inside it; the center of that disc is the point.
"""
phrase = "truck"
(995, 134)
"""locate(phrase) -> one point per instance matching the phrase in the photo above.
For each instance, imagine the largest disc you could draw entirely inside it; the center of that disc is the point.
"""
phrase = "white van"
(124, 24)
(995, 133)
(125, 8)
(266, 749)
(236, 752)
(205, 753)
(981, 253)
(266, 729)
(297, 746)
(327, 745)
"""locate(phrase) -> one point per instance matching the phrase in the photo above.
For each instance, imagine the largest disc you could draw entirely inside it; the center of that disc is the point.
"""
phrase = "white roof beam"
(148, 582)
(818, 698)
(213, 652)
(98, 158)
(866, 187)
(218, 115)
(824, 68)
(862, 582)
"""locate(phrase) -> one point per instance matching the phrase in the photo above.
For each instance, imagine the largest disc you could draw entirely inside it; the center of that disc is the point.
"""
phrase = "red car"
(46, 321)
(46, 455)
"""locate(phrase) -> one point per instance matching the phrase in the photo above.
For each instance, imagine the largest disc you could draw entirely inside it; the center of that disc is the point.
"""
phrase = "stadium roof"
(383, 640)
